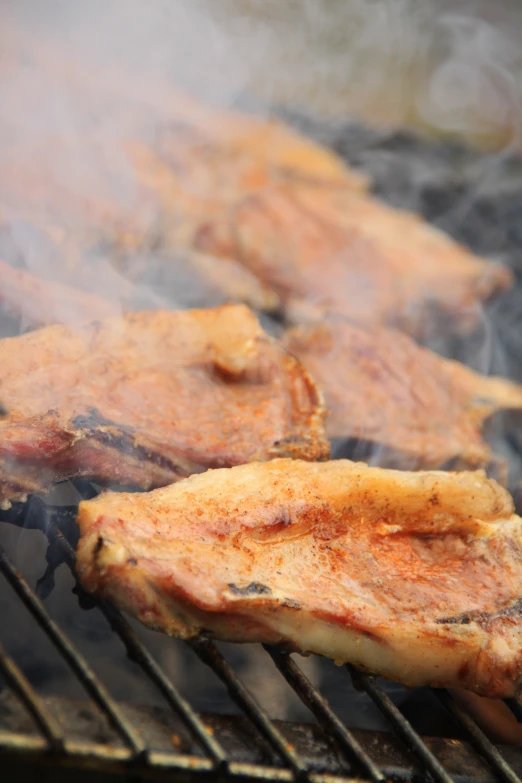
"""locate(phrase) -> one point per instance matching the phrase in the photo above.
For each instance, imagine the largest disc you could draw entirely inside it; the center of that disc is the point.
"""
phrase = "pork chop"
(322, 249)
(413, 576)
(414, 408)
(150, 397)
(226, 184)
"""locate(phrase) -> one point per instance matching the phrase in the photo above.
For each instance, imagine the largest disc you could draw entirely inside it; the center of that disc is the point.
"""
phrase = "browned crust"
(416, 409)
(414, 576)
(140, 400)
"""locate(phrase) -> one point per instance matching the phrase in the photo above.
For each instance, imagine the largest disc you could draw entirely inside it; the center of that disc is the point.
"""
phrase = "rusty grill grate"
(361, 756)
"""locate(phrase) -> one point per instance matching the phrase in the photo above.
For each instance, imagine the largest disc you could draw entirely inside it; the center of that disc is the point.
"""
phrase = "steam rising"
(81, 79)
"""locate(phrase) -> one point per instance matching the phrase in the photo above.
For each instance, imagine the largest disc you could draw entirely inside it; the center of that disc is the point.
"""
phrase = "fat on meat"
(413, 576)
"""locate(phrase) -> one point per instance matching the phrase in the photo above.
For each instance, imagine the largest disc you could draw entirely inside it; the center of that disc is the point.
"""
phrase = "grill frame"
(51, 746)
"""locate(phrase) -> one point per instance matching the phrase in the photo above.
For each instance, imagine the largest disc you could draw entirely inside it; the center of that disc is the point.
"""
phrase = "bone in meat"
(415, 408)
(413, 576)
(147, 398)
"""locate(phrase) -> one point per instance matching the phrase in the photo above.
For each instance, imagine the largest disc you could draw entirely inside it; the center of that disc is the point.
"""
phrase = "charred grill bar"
(213, 747)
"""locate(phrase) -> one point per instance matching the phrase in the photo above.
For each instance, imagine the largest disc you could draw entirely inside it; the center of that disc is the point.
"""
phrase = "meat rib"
(415, 408)
(413, 576)
(151, 397)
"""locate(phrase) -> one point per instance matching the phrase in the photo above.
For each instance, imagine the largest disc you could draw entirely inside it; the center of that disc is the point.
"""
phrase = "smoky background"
(452, 66)
(77, 78)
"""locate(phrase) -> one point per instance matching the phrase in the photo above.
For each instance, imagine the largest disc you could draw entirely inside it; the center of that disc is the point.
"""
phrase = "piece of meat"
(83, 180)
(413, 576)
(63, 229)
(350, 254)
(407, 406)
(70, 199)
(151, 397)
(135, 102)
(321, 249)
(493, 716)
(154, 162)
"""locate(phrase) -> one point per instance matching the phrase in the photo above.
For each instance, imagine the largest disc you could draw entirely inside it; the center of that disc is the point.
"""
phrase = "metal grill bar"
(208, 653)
(25, 691)
(478, 738)
(76, 661)
(140, 655)
(323, 712)
(401, 726)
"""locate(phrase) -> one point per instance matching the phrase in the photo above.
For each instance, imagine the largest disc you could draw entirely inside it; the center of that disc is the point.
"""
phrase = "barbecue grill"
(97, 734)
(103, 735)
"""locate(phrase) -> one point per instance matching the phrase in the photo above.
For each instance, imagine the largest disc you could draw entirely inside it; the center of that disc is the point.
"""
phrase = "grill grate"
(135, 753)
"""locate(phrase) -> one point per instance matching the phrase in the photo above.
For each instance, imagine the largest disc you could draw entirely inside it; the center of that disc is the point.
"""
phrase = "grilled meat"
(233, 186)
(144, 238)
(136, 103)
(323, 249)
(413, 576)
(76, 190)
(349, 254)
(416, 409)
(151, 397)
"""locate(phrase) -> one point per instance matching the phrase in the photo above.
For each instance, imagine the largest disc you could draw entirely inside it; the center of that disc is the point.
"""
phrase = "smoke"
(78, 80)
(181, 42)
(453, 67)
(78, 84)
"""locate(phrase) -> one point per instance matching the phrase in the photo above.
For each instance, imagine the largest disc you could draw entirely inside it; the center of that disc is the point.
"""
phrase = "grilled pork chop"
(137, 103)
(415, 408)
(229, 185)
(78, 195)
(322, 249)
(413, 576)
(355, 256)
(151, 397)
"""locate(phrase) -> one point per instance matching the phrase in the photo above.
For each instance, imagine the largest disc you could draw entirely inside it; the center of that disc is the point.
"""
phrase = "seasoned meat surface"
(347, 253)
(413, 576)
(147, 398)
(416, 408)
